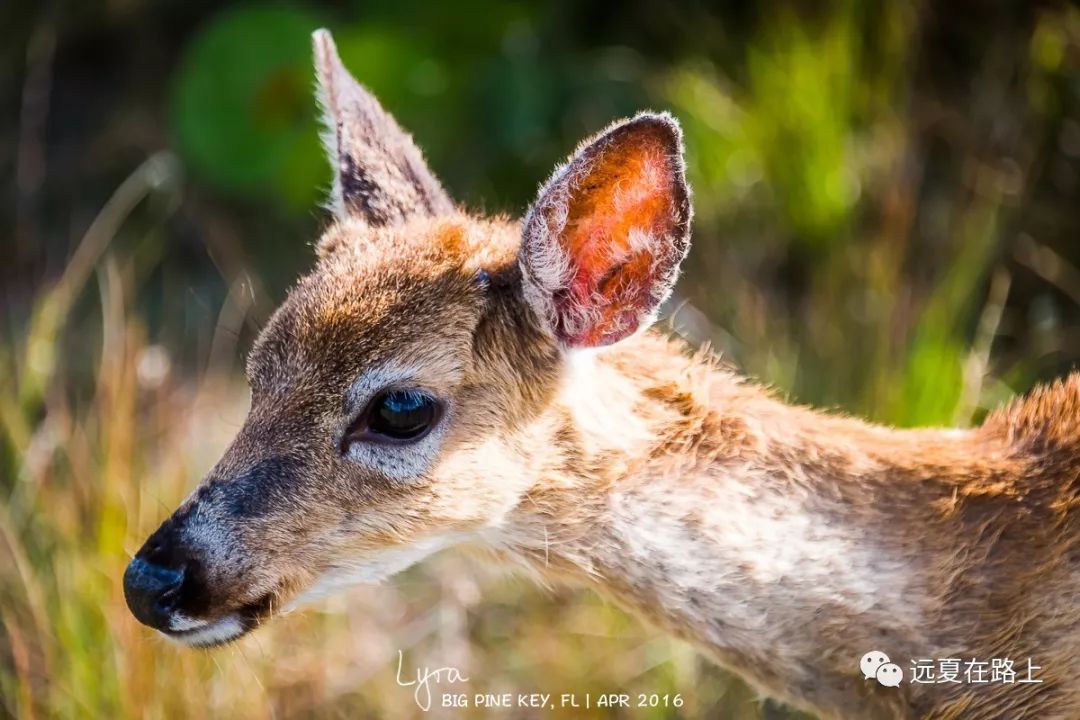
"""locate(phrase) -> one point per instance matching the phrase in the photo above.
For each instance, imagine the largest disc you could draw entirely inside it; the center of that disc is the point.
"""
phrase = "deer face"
(398, 391)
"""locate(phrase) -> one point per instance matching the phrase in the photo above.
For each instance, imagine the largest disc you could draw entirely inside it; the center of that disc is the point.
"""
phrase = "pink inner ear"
(622, 214)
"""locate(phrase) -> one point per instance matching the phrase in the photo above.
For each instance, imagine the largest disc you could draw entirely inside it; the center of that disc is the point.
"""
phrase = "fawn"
(442, 379)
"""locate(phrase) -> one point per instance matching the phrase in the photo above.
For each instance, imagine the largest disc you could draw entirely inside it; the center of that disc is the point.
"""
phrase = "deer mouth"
(199, 633)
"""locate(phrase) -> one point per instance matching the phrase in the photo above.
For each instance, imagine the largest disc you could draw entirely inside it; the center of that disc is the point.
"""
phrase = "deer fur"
(782, 542)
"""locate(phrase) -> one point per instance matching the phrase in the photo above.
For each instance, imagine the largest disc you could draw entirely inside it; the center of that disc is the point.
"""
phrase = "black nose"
(152, 591)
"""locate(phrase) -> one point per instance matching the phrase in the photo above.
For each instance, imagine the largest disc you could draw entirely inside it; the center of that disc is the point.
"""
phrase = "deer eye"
(395, 416)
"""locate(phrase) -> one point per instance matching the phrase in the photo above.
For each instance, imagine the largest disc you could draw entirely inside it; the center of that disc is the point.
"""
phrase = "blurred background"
(887, 224)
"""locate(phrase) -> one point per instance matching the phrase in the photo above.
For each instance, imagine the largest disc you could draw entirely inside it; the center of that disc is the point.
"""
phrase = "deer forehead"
(421, 245)
(406, 296)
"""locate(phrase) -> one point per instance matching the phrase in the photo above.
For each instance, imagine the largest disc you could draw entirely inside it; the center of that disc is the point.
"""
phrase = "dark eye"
(396, 416)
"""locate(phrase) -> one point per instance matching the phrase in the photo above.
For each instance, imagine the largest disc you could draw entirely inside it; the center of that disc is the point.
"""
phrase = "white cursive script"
(424, 676)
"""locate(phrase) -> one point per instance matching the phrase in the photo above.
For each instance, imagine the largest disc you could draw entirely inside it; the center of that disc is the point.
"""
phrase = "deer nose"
(152, 591)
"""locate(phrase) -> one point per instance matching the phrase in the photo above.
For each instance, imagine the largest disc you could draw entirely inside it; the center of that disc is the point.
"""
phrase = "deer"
(443, 379)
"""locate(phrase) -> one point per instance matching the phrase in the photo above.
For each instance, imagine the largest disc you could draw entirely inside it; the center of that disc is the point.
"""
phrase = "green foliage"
(242, 106)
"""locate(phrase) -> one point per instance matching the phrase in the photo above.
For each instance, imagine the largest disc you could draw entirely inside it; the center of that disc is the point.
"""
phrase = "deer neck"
(768, 535)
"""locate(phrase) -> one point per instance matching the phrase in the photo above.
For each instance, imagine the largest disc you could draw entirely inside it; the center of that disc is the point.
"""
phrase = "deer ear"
(379, 174)
(603, 242)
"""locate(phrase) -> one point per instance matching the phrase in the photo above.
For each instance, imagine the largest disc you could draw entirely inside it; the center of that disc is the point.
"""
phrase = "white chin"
(201, 633)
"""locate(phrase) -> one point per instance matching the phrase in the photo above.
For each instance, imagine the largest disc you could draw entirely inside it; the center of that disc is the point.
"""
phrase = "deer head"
(398, 392)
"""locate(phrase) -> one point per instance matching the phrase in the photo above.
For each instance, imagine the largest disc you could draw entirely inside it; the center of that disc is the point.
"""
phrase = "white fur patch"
(599, 400)
(183, 623)
(215, 633)
(751, 551)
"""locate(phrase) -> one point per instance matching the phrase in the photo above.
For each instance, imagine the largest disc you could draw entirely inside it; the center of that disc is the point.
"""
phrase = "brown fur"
(781, 541)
